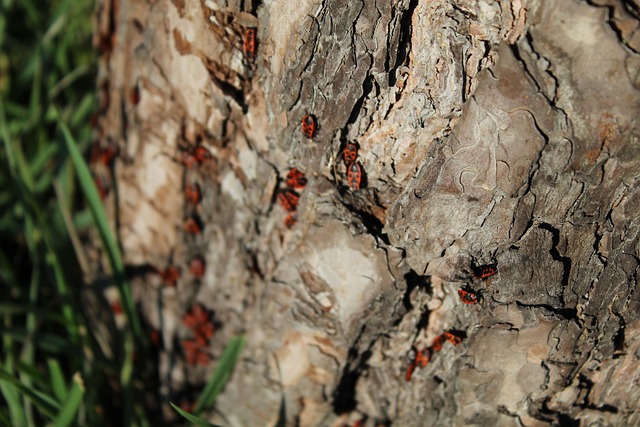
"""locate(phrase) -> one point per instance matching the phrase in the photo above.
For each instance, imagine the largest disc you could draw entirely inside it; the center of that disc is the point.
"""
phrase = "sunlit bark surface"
(489, 131)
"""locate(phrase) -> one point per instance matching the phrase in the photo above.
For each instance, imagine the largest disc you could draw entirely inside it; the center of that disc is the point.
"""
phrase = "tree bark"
(489, 132)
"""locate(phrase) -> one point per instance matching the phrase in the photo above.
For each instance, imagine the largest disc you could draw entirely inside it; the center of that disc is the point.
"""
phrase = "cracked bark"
(490, 131)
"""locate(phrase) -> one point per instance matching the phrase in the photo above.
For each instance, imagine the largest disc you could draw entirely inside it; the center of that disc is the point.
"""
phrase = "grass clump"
(55, 369)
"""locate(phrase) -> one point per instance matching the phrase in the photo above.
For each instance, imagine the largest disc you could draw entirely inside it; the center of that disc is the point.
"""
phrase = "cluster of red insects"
(199, 322)
(354, 169)
(349, 152)
(423, 356)
(468, 295)
(289, 197)
(197, 319)
(172, 273)
(192, 157)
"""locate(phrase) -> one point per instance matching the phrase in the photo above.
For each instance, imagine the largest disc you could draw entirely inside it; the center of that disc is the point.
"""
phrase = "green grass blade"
(57, 380)
(126, 371)
(220, 375)
(47, 405)
(4, 420)
(69, 409)
(6, 270)
(12, 397)
(23, 178)
(100, 218)
(24, 173)
(37, 377)
(6, 138)
(42, 156)
(14, 308)
(36, 96)
(192, 418)
(46, 341)
(64, 289)
(82, 220)
(28, 351)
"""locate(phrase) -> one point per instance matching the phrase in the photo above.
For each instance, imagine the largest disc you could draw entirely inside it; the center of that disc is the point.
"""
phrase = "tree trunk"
(499, 132)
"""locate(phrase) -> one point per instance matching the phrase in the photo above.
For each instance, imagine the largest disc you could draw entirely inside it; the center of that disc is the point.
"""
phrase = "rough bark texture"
(490, 131)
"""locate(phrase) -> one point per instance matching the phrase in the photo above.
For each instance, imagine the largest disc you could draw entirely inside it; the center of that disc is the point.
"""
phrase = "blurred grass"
(53, 371)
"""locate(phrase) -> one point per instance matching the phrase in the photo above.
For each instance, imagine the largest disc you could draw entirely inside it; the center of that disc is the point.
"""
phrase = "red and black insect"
(249, 45)
(296, 179)
(104, 156)
(309, 126)
(194, 353)
(423, 357)
(199, 321)
(134, 95)
(354, 175)
(469, 296)
(196, 267)
(438, 342)
(193, 225)
(116, 307)
(192, 193)
(288, 199)
(452, 337)
(350, 153)
(291, 219)
(409, 373)
(170, 275)
(193, 156)
(102, 183)
(155, 338)
(187, 405)
(189, 160)
(485, 271)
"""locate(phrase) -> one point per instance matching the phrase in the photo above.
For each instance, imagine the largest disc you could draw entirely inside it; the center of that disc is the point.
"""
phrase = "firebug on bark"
(170, 275)
(350, 153)
(452, 337)
(409, 373)
(438, 342)
(296, 179)
(193, 226)
(485, 271)
(249, 45)
(192, 193)
(196, 267)
(134, 95)
(192, 156)
(423, 357)
(291, 219)
(309, 126)
(104, 156)
(288, 199)
(102, 183)
(354, 175)
(469, 296)
(116, 307)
